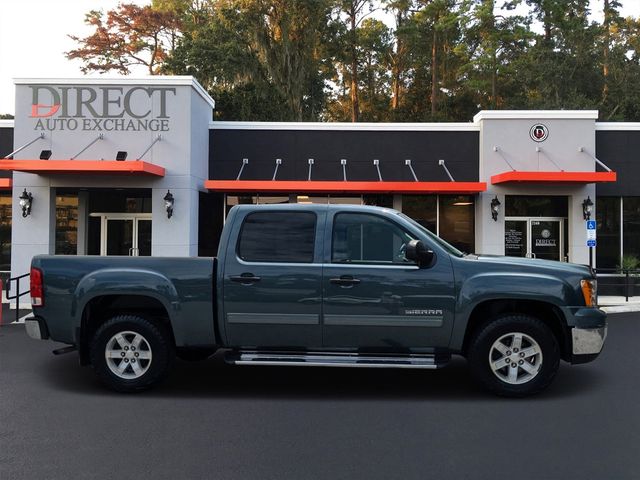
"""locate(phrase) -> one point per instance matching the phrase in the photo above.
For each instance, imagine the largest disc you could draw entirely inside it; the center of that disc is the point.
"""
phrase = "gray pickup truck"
(321, 285)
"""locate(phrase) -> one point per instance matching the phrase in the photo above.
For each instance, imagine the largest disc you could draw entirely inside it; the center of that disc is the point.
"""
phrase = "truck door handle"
(345, 281)
(245, 278)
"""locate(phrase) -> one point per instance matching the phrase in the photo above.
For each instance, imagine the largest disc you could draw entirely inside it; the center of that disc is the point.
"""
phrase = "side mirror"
(419, 253)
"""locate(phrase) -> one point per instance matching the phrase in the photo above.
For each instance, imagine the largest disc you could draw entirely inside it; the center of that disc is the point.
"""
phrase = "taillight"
(37, 288)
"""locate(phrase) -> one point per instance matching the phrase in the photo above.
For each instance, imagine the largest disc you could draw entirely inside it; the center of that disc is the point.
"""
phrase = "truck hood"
(533, 264)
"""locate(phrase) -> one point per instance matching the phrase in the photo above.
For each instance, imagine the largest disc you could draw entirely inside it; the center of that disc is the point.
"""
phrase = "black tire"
(156, 344)
(505, 328)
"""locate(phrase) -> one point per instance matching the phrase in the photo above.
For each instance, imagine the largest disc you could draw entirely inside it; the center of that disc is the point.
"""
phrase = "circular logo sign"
(545, 233)
(539, 132)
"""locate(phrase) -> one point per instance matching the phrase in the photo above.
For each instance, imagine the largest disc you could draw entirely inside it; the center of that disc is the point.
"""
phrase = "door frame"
(562, 240)
(135, 217)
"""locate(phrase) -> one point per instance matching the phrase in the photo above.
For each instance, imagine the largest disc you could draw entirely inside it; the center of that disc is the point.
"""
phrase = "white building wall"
(504, 139)
(187, 110)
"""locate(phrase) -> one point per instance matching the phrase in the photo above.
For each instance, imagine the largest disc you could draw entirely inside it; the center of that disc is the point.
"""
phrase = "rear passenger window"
(278, 237)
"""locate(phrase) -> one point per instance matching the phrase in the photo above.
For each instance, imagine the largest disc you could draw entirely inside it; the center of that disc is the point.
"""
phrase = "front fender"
(506, 286)
(513, 285)
(128, 281)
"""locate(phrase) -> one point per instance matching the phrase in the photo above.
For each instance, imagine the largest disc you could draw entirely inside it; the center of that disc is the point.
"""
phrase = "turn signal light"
(589, 292)
(37, 288)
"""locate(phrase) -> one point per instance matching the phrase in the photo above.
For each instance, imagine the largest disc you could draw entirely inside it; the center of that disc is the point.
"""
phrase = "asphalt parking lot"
(210, 420)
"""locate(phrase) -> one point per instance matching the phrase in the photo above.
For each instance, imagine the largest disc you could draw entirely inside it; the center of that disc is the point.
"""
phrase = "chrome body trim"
(274, 318)
(588, 341)
(336, 360)
(382, 321)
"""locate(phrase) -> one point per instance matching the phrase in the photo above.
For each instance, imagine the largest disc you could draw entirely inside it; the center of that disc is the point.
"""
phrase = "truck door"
(272, 284)
(376, 299)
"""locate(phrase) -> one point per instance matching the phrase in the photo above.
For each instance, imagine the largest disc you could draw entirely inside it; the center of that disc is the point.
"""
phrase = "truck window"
(364, 238)
(286, 237)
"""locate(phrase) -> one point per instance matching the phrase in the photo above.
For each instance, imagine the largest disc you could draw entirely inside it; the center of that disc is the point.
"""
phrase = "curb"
(621, 308)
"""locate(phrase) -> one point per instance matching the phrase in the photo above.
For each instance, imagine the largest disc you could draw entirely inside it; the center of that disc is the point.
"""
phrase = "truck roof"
(313, 207)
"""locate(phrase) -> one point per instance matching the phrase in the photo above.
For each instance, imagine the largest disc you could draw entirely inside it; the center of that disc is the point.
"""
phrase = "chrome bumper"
(32, 326)
(588, 341)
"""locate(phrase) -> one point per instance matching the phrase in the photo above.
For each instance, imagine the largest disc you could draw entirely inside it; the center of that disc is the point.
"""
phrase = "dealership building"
(137, 167)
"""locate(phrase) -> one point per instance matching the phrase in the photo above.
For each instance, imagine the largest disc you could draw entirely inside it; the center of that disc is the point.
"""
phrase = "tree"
(285, 35)
(130, 35)
(402, 11)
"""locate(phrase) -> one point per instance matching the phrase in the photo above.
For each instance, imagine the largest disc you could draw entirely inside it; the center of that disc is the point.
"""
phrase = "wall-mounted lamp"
(45, 154)
(168, 204)
(121, 156)
(495, 208)
(26, 199)
(587, 208)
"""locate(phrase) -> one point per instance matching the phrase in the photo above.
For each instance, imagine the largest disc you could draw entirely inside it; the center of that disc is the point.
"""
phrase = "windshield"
(449, 248)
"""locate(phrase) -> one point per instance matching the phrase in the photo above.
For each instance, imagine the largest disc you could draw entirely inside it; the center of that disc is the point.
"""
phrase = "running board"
(337, 360)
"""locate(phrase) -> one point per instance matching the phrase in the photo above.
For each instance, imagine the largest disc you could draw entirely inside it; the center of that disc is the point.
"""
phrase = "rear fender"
(129, 281)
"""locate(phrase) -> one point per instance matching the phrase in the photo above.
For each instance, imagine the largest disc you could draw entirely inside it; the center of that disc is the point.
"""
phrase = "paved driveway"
(214, 421)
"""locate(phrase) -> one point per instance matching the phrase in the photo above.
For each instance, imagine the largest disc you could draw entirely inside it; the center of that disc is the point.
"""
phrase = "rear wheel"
(514, 356)
(130, 353)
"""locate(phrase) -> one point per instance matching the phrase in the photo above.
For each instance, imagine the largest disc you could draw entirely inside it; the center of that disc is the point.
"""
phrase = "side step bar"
(314, 359)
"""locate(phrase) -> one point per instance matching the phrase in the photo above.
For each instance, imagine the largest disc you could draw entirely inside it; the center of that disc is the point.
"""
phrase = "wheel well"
(543, 311)
(100, 309)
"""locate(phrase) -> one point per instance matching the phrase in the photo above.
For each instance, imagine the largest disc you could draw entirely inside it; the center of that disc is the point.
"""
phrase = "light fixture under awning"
(553, 177)
(314, 186)
(5, 183)
(80, 167)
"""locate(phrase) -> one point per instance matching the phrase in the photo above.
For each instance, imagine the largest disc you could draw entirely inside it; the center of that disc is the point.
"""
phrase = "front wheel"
(514, 356)
(130, 353)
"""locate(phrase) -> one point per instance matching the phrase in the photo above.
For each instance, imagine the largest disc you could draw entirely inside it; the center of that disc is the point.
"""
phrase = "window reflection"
(608, 228)
(66, 225)
(457, 221)
(5, 231)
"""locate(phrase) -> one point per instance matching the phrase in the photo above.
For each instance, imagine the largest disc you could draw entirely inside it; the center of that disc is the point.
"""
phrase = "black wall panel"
(620, 151)
(227, 148)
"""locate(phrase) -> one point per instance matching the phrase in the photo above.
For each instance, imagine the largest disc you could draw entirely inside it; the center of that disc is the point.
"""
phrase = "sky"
(34, 37)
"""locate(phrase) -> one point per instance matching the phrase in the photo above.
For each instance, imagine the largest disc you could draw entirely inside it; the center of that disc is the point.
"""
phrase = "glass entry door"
(536, 237)
(125, 234)
(546, 239)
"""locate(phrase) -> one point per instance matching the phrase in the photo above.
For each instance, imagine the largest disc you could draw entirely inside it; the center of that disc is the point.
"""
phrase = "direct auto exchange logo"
(539, 132)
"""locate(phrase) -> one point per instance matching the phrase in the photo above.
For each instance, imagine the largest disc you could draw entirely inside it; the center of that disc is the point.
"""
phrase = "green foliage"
(336, 60)
(629, 262)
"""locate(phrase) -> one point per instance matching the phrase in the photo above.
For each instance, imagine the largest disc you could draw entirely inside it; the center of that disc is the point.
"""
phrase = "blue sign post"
(591, 239)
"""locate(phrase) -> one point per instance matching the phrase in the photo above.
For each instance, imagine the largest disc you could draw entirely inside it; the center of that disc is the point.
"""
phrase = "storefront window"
(631, 226)
(233, 200)
(5, 231)
(535, 206)
(608, 217)
(66, 225)
(423, 209)
(385, 201)
(457, 221)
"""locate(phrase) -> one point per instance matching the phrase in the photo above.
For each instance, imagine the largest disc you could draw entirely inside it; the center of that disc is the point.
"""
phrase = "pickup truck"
(321, 285)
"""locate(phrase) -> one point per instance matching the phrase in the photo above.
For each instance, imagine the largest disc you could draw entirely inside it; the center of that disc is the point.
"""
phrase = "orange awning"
(79, 167)
(553, 177)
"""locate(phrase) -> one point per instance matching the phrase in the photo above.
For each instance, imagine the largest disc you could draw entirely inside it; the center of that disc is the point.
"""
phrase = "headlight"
(589, 288)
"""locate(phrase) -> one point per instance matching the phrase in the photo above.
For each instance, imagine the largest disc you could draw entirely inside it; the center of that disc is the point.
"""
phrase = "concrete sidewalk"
(619, 304)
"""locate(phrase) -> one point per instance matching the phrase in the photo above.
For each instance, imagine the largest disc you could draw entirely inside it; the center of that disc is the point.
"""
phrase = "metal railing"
(18, 293)
(625, 280)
